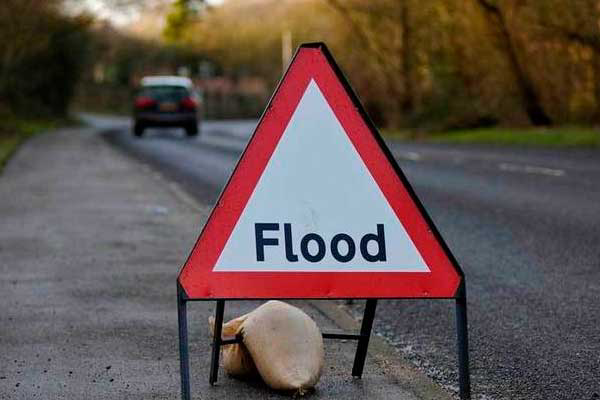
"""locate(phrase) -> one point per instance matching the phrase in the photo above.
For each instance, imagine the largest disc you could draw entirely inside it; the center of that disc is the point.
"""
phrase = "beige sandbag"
(285, 344)
(280, 341)
(235, 357)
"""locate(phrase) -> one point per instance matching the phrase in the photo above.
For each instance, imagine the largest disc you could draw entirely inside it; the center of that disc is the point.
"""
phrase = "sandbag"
(285, 345)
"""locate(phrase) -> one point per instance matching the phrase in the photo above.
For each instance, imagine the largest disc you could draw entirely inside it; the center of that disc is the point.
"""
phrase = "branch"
(592, 41)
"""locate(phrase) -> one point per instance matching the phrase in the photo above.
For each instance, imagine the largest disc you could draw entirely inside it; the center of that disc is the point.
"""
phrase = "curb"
(385, 355)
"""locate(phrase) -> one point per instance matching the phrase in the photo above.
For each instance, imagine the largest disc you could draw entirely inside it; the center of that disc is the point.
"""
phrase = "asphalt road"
(523, 223)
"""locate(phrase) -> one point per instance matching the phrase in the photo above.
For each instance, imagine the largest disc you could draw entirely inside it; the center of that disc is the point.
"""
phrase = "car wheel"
(138, 129)
(191, 129)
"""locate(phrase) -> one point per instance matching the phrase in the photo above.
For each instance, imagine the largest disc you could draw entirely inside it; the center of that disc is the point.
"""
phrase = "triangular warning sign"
(317, 206)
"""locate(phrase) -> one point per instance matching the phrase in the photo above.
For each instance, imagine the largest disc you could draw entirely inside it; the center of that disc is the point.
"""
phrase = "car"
(166, 101)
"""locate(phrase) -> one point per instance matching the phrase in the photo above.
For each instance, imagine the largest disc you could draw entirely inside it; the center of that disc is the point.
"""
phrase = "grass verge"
(533, 137)
(14, 131)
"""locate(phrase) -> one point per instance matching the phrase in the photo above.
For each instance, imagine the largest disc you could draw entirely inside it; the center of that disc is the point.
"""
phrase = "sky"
(119, 12)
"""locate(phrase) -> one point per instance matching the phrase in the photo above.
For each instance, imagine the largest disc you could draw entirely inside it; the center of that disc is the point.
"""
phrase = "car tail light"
(144, 102)
(188, 103)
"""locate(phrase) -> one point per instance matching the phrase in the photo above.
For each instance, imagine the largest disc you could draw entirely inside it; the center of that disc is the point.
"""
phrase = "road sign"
(317, 206)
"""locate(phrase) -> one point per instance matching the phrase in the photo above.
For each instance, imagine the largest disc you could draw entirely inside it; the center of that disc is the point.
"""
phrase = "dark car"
(166, 101)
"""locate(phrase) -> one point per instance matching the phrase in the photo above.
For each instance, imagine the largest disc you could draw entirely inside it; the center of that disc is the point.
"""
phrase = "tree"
(385, 31)
(42, 55)
(178, 20)
(575, 26)
(533, 107)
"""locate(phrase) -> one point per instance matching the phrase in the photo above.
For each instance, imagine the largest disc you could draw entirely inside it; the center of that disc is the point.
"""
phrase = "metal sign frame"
(362, 337)
(371, 302)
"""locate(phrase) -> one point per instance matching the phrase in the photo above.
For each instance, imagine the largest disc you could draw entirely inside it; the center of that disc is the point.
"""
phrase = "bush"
(43, 54)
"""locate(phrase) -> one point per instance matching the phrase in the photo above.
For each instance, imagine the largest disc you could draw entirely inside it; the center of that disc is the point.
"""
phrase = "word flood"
(319, 248)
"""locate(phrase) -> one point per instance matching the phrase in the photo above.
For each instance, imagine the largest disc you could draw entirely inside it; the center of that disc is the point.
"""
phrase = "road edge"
(405, 374)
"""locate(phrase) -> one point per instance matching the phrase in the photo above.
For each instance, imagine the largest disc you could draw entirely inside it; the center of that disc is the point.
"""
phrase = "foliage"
(433, 65)
(119, 61)
(179, 18)
(438, 64)
(42, 55)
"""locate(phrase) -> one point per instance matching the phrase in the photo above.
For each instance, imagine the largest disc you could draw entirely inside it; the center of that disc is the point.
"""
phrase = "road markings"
(531, 169)
(157, 209)
(409, 155)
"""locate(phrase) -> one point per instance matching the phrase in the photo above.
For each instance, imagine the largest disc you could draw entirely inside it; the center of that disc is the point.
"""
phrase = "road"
(524, 225)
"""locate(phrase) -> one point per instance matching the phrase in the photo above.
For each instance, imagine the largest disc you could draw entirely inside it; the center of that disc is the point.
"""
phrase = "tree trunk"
(533, 107)
(596, 60)
(407, 102)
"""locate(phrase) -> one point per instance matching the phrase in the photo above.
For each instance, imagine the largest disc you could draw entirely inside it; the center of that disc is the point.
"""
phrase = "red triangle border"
(198, 281)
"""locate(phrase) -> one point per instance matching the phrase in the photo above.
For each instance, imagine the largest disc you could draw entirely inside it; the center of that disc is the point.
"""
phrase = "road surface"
(524, 225)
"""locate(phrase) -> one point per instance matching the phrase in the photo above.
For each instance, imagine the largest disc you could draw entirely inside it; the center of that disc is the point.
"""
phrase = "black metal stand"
(216, 345)
(464, 380)
(359, 359)
(365, 335)
(184, 361)
(361, 349)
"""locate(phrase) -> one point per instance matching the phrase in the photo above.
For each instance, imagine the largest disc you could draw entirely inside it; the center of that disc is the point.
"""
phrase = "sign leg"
(363, 342)
(464, 380)
(216, 350)
(184, 361)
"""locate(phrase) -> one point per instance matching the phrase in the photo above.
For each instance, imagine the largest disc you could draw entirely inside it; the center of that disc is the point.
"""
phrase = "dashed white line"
(531, 169)
(409, 155)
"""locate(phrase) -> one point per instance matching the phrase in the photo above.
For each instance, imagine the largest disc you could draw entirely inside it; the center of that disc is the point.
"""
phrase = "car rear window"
(165, 93)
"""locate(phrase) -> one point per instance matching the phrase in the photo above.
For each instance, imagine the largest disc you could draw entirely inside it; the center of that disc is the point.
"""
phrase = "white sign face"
(317, 208)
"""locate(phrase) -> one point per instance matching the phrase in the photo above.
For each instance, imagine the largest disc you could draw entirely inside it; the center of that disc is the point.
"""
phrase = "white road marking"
(531, 169)
(409, 155)
(157, 209)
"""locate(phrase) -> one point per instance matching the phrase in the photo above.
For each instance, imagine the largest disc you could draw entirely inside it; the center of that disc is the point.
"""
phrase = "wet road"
(524, 224)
